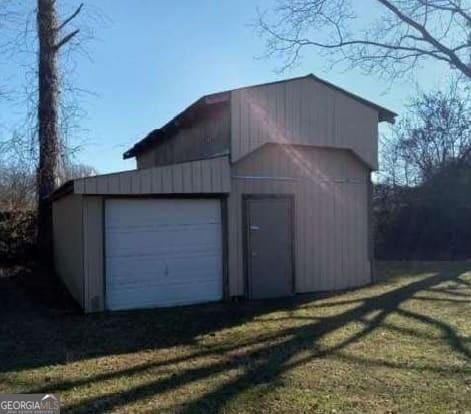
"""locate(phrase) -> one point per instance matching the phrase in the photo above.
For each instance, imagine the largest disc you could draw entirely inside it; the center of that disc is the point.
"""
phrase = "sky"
(150, 59)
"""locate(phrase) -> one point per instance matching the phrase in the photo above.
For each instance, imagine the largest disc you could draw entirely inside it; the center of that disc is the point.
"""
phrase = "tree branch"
(341, 43)
(71, 17)
(454, 59)
(408, 31)
(66, 39)
(455, 8)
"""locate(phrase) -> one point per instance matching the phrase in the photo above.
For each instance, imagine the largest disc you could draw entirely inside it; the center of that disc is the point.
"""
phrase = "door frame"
(246, 198)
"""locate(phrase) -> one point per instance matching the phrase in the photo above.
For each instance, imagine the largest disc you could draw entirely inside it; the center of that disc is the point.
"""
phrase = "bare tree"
(435, 133)
(17, 200)
(17, 187)
(422, 201)
(70, 171)
(51, 41)
(5, 16)
(18, 196)
(407, 33)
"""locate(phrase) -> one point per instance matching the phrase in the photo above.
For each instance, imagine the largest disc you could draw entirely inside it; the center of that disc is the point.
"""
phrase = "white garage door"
(162, 252)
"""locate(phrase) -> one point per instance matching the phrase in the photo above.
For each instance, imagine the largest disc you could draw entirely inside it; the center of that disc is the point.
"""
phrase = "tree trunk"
(48, 134)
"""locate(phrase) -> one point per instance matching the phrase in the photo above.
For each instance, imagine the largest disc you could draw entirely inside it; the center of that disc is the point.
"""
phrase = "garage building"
(259, 192)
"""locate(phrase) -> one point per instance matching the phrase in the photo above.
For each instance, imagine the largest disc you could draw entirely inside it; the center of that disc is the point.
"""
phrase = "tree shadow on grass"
(41, 326)
(449, 291)
(268, 361)
(261, 360)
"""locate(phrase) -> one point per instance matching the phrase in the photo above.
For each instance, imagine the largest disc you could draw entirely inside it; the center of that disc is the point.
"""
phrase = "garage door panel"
(162, 284)
(188, 239)
(135, 213)
(151, 271)
(124, 271)
(163, 252)
(167, 295)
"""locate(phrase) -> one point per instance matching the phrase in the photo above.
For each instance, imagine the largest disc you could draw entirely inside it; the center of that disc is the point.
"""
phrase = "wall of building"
(203, 176)
(206, 138)
(302, 111)
(331, 189)
(78, 248)
(68, 243)
(93, 248)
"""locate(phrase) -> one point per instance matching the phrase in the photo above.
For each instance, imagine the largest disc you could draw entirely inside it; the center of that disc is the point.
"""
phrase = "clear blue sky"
(153, 58)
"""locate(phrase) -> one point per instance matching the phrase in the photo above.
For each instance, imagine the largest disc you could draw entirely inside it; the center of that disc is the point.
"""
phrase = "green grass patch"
(401, 345)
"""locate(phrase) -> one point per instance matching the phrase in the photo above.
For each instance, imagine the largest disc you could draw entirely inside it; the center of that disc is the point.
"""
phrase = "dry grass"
(402, 345)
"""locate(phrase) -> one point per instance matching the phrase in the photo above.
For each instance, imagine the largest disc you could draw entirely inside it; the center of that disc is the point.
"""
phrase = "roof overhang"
(183, 120)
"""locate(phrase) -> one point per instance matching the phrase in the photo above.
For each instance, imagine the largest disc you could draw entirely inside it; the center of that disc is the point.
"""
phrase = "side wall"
(68, 243)
(203, 176)
(331, 213)
(93, 253)
(302, 111)
(78, 248)
(206, 138)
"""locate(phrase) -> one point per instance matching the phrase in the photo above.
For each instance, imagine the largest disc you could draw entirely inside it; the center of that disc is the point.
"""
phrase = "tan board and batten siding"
(68, 243)
(78, 248)
(78, 217)
(205, 139)
(202, 176)
(93, 253)
(331, 213)
(329, 145)
(302, 111)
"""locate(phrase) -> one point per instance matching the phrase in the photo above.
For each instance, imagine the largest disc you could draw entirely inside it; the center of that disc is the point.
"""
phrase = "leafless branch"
(71, 17)
(408, 32)
(427, 36)
(450, 6)
(435, 132)
(67, 39)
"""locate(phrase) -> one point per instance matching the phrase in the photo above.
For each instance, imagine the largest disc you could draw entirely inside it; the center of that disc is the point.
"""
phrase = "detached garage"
(143, 238)
(257, 192)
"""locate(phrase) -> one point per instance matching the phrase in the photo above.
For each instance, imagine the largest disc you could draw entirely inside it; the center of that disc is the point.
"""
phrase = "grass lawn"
(402, 345)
